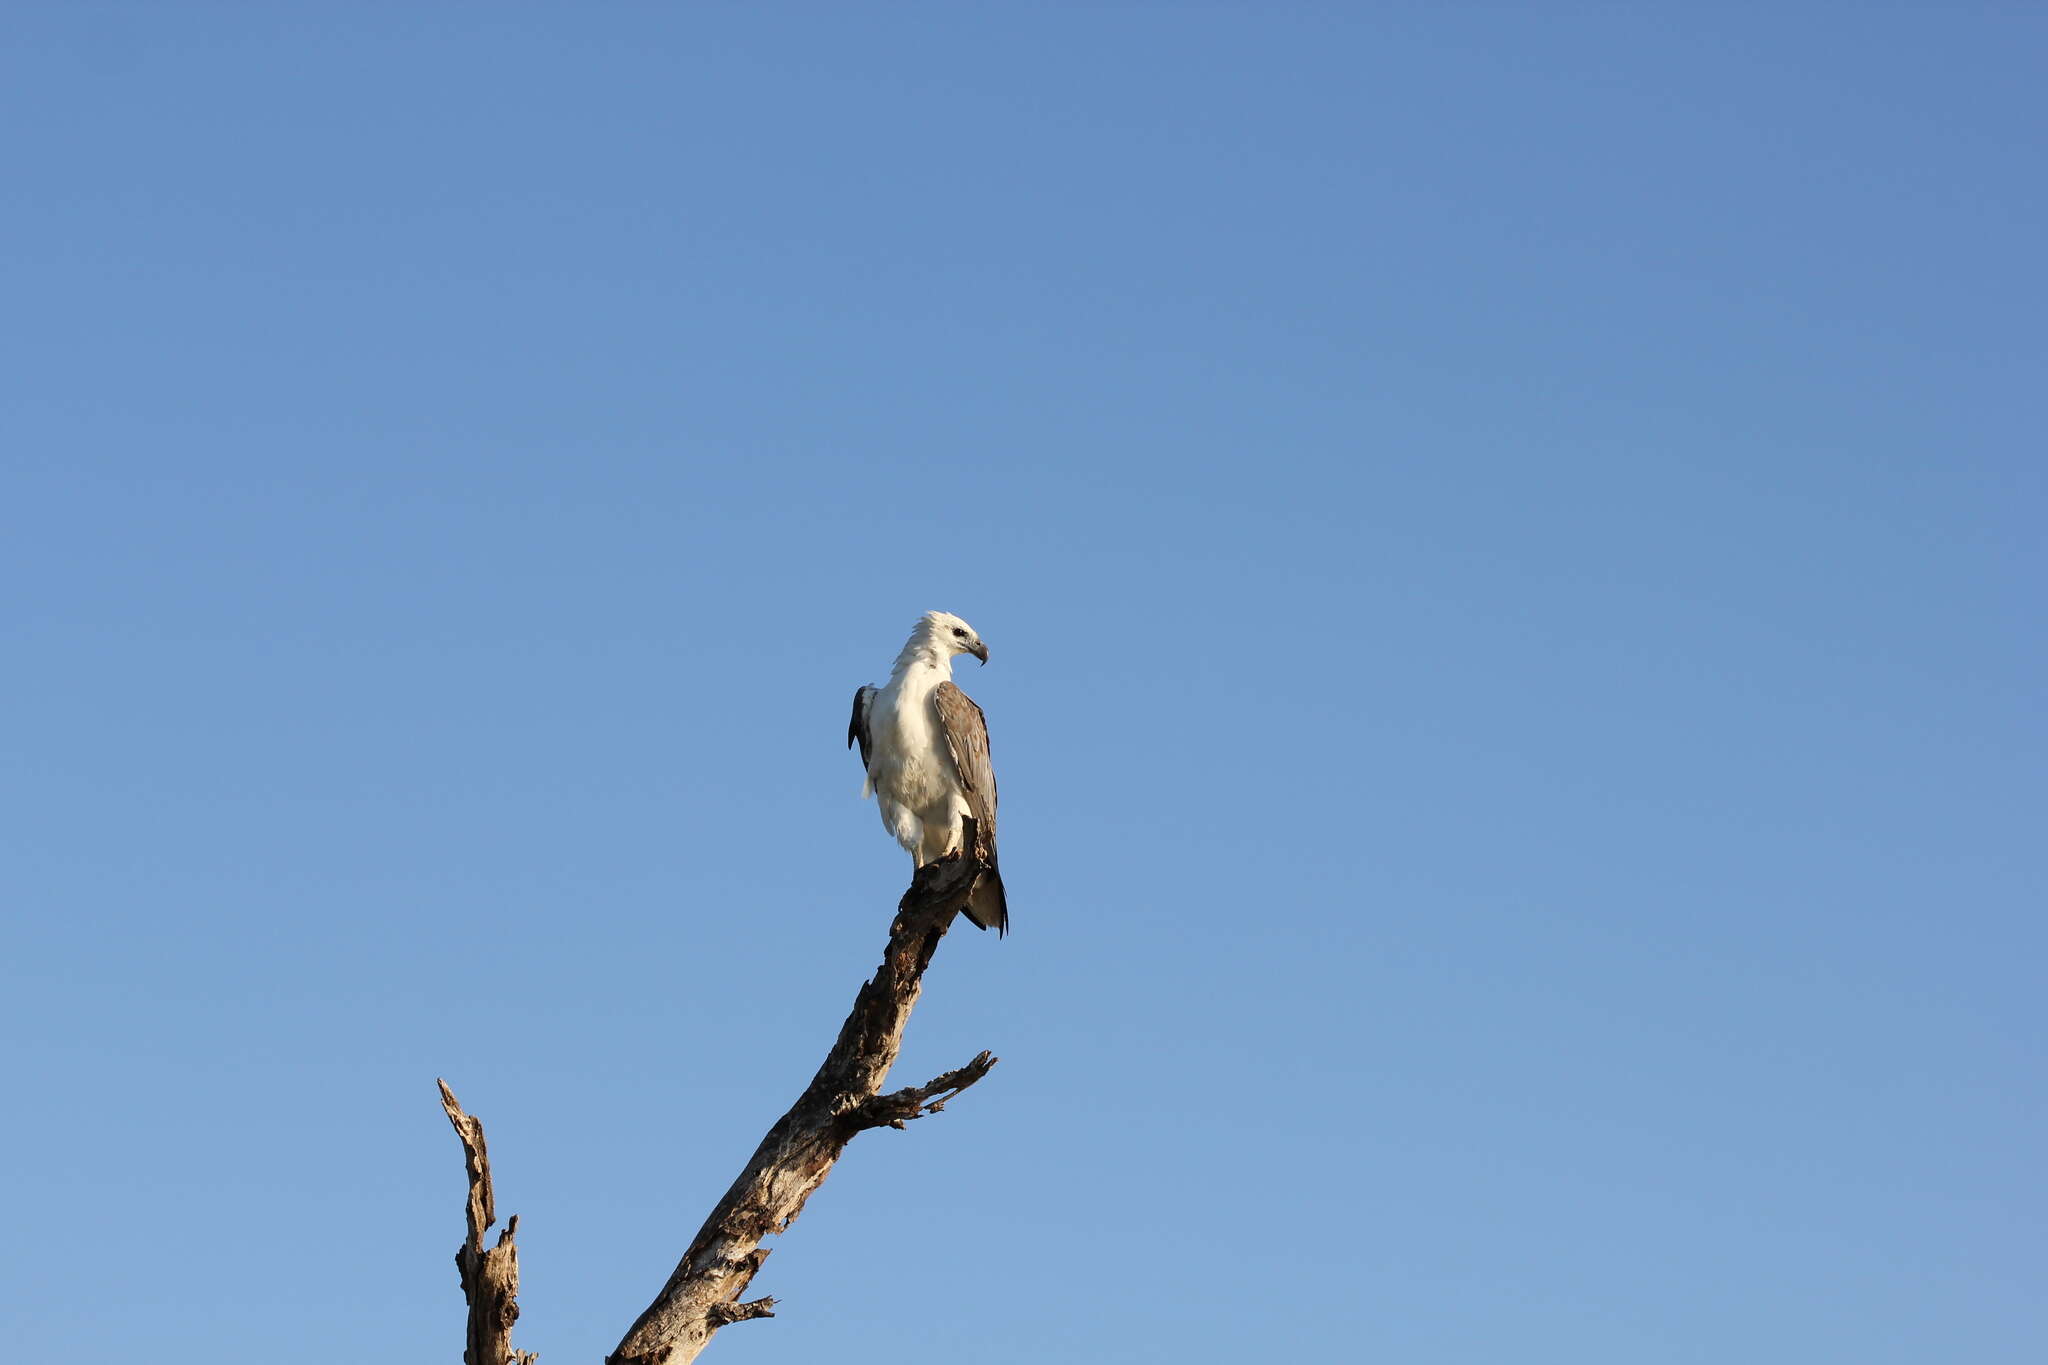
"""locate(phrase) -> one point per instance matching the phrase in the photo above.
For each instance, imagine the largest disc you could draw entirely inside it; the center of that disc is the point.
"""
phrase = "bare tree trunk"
(843, 1099)
(490, 1275)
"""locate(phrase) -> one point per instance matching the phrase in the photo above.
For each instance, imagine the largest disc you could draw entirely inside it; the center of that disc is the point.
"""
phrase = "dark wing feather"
(966, 731)
(857, 728)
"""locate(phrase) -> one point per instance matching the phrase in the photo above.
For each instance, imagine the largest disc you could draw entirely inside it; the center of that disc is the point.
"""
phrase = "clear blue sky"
(1510, 538)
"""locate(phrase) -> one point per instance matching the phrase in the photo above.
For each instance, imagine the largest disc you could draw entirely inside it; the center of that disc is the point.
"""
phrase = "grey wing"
(966, 732)
(857, 728)
(967, 737)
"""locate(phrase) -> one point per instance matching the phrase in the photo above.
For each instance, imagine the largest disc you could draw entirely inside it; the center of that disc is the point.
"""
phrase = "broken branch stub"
(490, 1275)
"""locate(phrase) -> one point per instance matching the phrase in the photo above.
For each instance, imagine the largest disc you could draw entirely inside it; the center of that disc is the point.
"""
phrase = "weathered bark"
(490, 1275)
(843, 1099)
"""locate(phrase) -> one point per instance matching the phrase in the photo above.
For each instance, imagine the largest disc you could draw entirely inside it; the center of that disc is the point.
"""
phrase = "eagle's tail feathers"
(987, 906)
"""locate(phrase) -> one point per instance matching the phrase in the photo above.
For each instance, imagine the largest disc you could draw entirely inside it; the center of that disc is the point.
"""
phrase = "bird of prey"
(924, 744)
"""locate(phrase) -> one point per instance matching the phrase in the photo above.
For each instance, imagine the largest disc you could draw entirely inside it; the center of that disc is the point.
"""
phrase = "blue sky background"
(1510, 538)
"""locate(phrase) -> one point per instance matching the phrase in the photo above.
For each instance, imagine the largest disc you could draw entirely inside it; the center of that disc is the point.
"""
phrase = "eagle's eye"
(959, 632)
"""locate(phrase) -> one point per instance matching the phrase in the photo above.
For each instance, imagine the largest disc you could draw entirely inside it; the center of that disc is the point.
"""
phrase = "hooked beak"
(979, 651)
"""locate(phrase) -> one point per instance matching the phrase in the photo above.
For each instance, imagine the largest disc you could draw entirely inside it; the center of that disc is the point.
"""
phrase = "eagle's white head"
(950, 635)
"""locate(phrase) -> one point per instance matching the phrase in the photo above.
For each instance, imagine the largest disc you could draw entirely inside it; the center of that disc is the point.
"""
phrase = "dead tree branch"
(843, 1099)
(490, 1275)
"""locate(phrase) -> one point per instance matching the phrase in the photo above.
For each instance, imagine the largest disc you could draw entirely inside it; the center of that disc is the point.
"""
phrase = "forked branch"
(843, 1099)
(898, 1107)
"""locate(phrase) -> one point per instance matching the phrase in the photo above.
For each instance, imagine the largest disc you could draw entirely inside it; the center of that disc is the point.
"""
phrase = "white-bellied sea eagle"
(924, 744)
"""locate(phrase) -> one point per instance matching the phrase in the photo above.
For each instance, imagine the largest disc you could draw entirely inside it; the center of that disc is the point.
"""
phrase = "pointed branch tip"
(725, 1314)
(898, 1107)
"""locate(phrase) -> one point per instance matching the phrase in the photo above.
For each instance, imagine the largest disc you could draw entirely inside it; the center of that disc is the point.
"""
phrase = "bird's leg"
(949, 845)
